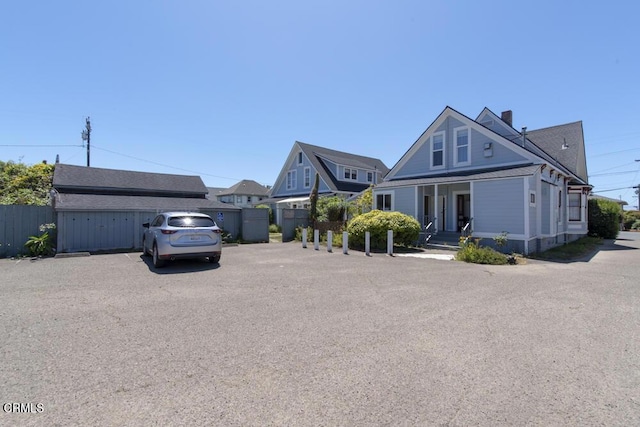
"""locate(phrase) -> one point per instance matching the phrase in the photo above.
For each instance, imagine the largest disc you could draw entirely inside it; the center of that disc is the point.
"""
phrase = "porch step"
(445, 240)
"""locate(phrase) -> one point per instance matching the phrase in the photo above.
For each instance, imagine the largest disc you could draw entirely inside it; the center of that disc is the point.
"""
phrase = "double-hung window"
(307, 177)
(437, 150)
(351, 174)
(291, 180)
(575, 207)
(369, 176)
(462, 148)
(383, 202)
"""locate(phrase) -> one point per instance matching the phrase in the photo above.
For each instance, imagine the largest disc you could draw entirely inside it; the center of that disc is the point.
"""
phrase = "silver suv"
(173, 235)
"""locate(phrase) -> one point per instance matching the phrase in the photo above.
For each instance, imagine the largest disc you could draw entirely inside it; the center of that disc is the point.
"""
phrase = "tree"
(364, 202)
(313, 200)
(604, 218)
(21, 184)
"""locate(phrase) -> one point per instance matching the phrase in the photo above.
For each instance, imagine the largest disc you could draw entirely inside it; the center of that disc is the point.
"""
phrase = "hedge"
(405, 229)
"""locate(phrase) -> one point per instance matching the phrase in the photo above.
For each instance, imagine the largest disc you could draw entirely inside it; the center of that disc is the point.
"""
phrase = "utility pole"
(86, 136)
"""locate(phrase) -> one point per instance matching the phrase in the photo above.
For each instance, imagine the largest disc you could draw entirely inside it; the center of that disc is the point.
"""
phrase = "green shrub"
(331, 209)
(275, 228)
(336, 240)
(604, 218)
(630, 218)
(636, 225)
(473, 252)
(44, 244)
(405, 229)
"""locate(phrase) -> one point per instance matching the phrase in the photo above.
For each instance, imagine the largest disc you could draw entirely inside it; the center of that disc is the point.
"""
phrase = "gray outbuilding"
(104, 209)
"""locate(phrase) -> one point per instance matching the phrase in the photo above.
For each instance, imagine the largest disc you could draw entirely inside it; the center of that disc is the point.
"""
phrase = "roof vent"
(507, 117)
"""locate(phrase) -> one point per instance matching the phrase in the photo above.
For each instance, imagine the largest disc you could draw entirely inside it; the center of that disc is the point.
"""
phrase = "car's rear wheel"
(214, 259)
(157, 262)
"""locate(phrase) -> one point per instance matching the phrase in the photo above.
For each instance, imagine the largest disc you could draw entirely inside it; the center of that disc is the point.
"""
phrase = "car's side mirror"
(145, 224)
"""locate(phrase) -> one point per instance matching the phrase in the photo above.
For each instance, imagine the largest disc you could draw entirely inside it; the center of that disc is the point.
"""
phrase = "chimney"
(507, 117)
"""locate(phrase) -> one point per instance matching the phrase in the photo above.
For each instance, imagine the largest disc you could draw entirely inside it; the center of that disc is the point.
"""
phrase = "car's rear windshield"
(190, 221)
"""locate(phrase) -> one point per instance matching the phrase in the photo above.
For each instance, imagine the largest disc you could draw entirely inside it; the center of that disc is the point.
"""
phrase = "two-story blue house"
(340, 173)
(483, 172)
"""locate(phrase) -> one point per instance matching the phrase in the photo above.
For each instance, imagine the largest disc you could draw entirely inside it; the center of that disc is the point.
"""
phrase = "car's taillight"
(169, 231)
(217, 231)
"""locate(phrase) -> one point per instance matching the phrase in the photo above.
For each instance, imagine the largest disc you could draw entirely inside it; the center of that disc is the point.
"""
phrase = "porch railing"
(467, 229)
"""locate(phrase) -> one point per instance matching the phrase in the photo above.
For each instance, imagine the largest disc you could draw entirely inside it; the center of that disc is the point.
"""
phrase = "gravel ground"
(280, 335)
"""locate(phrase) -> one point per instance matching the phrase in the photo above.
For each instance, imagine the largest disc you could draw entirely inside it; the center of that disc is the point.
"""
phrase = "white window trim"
(444, 150)
(293, 184)
(582, 207)
(369, 174)
(350, 169)
(307, 169)
(386, 193)
(455, 146)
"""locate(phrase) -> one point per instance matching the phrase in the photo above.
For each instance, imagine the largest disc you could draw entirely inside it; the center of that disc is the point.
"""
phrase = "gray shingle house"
(340, 173)
(246, 193)
(103, 209)
(483, 172)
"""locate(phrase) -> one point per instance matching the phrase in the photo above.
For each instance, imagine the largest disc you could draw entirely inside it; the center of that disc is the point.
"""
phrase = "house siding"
(498, 206)
(281, 189)
(533, 209)
(545, 208)
(405, 201)
(419, 164)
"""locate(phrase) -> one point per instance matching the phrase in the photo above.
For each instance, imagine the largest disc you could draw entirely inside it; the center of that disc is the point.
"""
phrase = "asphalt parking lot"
(280, 335)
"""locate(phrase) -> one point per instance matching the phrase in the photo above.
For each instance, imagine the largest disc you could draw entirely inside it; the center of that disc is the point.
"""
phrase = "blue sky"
(224, 89)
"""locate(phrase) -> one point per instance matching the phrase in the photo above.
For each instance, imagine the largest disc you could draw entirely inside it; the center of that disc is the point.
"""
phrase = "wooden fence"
(17, 223)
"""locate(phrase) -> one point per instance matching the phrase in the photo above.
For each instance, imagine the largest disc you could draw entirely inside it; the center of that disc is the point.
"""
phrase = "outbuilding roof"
(81, 179)
(102, 202)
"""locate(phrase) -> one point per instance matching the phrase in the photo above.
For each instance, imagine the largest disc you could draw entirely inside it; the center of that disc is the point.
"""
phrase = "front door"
(463, 202)
(426, 213)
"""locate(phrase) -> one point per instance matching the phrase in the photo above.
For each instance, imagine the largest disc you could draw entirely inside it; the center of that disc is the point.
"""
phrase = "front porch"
(448, 208)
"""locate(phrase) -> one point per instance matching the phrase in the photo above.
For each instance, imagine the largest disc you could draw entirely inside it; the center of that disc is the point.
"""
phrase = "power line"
(40, 145)
(164, 165)
(612, 173)
(613, 189)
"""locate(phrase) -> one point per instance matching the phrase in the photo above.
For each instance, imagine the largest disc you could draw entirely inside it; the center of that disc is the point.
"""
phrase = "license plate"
(194, 238)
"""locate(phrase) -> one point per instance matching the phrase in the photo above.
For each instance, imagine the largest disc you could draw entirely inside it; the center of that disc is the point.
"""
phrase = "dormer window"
(351, 174)
(369, 176)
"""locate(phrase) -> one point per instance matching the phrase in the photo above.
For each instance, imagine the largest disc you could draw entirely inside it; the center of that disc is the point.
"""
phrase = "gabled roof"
(565, 144)
(245, 187)
(319, 157)
(538, 148)
(562, 145)
(90, 180)
(215, 191)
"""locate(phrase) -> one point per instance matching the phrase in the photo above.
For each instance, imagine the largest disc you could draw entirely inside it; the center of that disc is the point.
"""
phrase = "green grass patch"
(570, 251)
(474, 253)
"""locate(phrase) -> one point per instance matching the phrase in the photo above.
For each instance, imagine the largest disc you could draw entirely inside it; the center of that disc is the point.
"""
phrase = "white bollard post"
(316, 239)
(389, 242)
(304, 238)
(367, 243)
(329, 241)
(345, 242)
